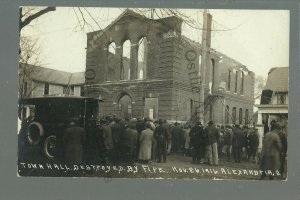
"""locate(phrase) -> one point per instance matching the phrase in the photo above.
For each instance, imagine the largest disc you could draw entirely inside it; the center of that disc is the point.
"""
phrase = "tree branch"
(27, 21)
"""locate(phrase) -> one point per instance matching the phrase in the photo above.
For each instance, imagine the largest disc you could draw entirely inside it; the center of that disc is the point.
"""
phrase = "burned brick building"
(157, 75)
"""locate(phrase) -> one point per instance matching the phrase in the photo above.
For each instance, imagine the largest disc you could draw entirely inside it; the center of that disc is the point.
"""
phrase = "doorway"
(125, 107)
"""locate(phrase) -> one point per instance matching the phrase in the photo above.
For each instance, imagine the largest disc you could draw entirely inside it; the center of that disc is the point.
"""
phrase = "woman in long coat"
(145, 140)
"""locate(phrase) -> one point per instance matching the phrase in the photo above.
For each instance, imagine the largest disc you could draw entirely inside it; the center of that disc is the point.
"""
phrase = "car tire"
(34, 132)
(50, 146)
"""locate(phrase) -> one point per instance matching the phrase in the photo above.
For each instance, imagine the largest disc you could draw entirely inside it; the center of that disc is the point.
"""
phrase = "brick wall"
(172, 65)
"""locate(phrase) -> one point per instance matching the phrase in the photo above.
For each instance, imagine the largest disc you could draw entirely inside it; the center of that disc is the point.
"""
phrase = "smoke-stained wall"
(171, 71)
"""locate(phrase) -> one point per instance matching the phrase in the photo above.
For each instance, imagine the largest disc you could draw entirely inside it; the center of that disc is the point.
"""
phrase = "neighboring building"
(35, 81)
(274, 101)
(157, 76)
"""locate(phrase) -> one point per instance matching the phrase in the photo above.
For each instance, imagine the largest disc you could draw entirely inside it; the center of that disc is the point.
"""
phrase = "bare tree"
(260, 82)
(29, 51)
(28, 14)
(29, 56)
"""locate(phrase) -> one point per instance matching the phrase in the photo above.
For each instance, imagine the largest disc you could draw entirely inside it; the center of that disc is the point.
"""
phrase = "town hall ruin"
(142, 67)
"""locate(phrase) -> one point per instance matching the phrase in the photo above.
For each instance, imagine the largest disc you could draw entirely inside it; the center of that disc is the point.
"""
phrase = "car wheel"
(34, 132)
(50, 146)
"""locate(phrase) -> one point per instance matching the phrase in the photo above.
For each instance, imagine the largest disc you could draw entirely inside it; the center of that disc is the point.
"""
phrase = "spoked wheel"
(50, 146)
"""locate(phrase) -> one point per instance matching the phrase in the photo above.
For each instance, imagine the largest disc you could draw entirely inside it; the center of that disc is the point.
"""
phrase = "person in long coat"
(187, 140)
(283, 156)
(227, 148)
(117, 129)
(237, 140)
(140, 126)
(254, 142)
(271, 151)
(167, 126)
(212, 146)
(197, 143)
(74, 138)
(145, 140)
(177, 135)
(130, 140)
(108, 140)
(161, 136)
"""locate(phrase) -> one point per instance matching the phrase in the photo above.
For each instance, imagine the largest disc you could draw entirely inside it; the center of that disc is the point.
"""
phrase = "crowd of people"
(142, 140)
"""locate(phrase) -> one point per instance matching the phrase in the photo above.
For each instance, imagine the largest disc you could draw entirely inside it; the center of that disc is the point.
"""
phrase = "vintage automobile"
(44, 120)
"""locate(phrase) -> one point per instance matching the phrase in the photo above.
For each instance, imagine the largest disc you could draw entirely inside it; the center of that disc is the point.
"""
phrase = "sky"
(259, 39)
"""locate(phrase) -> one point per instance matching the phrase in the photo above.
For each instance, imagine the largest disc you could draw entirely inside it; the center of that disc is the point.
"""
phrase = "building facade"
(145, 67)
(36, 81)
(274, 101)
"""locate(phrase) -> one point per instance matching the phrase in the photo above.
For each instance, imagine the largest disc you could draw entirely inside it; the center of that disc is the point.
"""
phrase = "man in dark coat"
(177, 135)
(254, 142)
(237, 143)
(247, 139)
(283, 153)
(271, 150)
(107, 139)
(227, 148)
(166, 125)
(129, 141)
(245, 135)
(212, 146)
(140, 126)
(74, 138)
(194, 142)
(161, 136)
(116, 129)
(198, 141)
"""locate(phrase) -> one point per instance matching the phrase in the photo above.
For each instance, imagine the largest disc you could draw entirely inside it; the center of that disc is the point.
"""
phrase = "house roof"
(43, 74)
(278, 79)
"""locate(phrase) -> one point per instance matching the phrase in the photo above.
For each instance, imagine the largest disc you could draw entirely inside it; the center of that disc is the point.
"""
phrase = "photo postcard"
(157, 93)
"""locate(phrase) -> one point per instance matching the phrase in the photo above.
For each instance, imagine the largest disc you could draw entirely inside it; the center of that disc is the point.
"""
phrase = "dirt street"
(180, 167)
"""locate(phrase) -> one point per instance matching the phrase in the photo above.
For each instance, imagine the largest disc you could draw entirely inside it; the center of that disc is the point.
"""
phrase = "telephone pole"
(205, 45)
(202, 67)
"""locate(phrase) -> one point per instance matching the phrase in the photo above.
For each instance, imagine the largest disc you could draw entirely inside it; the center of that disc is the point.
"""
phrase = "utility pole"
(202, 67)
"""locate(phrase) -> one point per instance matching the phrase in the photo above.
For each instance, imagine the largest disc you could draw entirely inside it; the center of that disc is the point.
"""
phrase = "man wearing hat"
(270, 155)
(74, 138)
(212, 146)
(130, 141)
(161, 136)
(198, 141)
(237, 143)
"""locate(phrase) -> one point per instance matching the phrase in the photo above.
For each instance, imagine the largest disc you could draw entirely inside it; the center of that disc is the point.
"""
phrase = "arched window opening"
(227, 115)
(125, 106)
(125, 75)
(247, 116)
(240, 116)
(236, 81)
(111, 60)
(242, 82)
(229, 80)
(211, 76)
(234, 115)
(200, 66)
(142, 58)
(112, 48)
